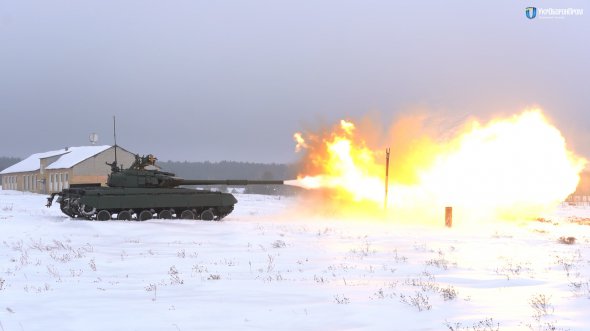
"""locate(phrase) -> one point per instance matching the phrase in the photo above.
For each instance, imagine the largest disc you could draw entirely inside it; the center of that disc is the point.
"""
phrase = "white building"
(53, 171)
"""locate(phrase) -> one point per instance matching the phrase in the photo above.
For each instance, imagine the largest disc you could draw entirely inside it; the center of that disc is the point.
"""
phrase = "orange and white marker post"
(448, 217)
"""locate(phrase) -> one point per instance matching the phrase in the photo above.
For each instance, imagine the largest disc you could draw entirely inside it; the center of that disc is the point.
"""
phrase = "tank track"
(76, 210)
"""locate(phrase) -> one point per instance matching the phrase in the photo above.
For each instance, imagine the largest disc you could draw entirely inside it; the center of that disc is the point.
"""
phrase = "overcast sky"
(232, 80)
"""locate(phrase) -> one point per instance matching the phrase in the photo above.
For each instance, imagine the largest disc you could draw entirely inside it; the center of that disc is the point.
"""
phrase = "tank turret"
(138, 176)
(142, 191)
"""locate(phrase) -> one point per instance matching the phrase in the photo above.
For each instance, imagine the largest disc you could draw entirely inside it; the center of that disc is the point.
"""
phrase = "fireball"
(510, 168)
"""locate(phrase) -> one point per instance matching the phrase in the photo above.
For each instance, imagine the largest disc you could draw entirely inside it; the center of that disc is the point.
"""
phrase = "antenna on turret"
(114, 167)
(115, 136)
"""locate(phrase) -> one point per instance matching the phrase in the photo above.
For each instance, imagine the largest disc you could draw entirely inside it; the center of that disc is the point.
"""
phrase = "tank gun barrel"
(229, 182)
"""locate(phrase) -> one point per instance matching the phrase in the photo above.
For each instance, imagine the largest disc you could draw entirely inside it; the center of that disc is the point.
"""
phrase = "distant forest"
(229, 170)
(211, 170)
(6, 162)
(237, 170)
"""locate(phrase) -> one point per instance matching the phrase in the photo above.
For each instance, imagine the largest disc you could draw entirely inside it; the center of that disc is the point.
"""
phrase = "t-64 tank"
(141, 194)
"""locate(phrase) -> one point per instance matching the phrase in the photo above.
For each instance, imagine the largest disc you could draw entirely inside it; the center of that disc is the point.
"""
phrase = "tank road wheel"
(145, 215)
(165, 214)
(207, 215)
(103, 215)
(125, 215)
(87, 211)
(187, 215)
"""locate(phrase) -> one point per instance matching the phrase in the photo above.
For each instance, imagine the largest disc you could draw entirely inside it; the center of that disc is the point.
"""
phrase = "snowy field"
(262, 270)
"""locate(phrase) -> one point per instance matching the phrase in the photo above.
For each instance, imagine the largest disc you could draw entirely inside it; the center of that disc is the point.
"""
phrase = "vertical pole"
(386, 177)
(448, 217)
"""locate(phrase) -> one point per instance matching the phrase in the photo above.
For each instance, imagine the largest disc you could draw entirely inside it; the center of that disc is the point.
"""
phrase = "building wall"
(56, 180)
(22, 181)
(90, 171)
(93, 170)
(46, 162)
(30, 181)
(9, 182)
(50, 181)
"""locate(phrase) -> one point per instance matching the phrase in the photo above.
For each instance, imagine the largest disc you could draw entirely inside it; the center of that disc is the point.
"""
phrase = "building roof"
(67, 159)
(77, 155)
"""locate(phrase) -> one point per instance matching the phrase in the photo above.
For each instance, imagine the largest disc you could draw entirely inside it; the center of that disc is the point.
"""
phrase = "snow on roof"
(31, 163)
(68, 159)
(76, 155)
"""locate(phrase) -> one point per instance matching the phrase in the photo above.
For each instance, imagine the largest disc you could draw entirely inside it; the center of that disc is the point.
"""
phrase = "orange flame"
(511, 168)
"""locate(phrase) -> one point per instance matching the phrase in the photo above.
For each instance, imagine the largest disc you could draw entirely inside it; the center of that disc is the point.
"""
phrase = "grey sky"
(215, 80)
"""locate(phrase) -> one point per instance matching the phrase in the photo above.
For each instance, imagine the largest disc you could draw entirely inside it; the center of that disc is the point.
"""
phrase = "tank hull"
(141, 193)
(104, 203)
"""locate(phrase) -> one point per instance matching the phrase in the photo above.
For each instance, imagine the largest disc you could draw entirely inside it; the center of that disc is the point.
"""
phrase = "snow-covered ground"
(261, 269)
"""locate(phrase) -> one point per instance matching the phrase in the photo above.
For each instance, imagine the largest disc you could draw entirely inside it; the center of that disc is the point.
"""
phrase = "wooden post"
(386, 177)
(448, 217)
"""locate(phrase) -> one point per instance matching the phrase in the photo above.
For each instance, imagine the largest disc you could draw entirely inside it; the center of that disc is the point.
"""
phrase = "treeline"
(220, 170)
(6, 162)
(211, 170)
(229, 170)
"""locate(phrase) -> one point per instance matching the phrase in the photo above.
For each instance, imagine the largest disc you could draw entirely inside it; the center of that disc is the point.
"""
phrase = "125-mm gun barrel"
(230, 182)
(154, 178)
(140, 193)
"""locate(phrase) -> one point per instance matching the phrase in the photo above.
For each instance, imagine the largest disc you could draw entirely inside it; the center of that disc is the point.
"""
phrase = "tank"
(140, 193)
